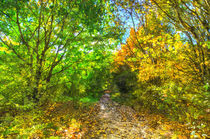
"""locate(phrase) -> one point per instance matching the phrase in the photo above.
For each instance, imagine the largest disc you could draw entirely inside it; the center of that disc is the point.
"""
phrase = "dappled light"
(104, 69)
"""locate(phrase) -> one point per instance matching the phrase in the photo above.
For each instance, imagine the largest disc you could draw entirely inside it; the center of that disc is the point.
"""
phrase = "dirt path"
(110, 120)
(115, 121)
(119, 122)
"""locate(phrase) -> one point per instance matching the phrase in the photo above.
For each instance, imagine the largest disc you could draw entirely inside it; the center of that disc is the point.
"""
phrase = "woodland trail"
(119, 122)
(107, 119)
(115, 121)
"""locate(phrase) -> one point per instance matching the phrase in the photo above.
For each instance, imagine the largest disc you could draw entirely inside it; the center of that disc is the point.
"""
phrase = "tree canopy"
(152, 55)
(49, 39)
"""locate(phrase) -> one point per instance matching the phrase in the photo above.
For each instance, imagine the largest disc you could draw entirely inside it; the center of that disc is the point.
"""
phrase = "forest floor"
(115, 121)
(98, 120)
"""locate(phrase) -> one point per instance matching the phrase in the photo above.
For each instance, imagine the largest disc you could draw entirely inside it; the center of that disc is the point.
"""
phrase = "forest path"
(119, 122)
(107, 119)
(115, 121)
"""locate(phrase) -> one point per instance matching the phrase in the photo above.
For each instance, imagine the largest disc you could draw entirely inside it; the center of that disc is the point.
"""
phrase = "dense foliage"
(53, 50)
(169, 53)
(58, 56)
(47, 46)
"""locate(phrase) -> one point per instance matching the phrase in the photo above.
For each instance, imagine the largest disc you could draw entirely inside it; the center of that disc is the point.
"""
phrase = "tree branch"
(13, 50)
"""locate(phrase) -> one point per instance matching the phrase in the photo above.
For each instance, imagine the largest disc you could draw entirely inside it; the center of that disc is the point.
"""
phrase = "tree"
(169, 55)
(191, 18)
(47, 37)
(188, 17)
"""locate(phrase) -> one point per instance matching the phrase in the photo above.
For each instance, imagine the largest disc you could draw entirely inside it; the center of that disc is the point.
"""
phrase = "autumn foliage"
(58, 57)
(171, 64)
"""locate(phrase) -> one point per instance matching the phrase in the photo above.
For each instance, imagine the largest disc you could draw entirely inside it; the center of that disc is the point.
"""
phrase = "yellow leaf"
(174, 137)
